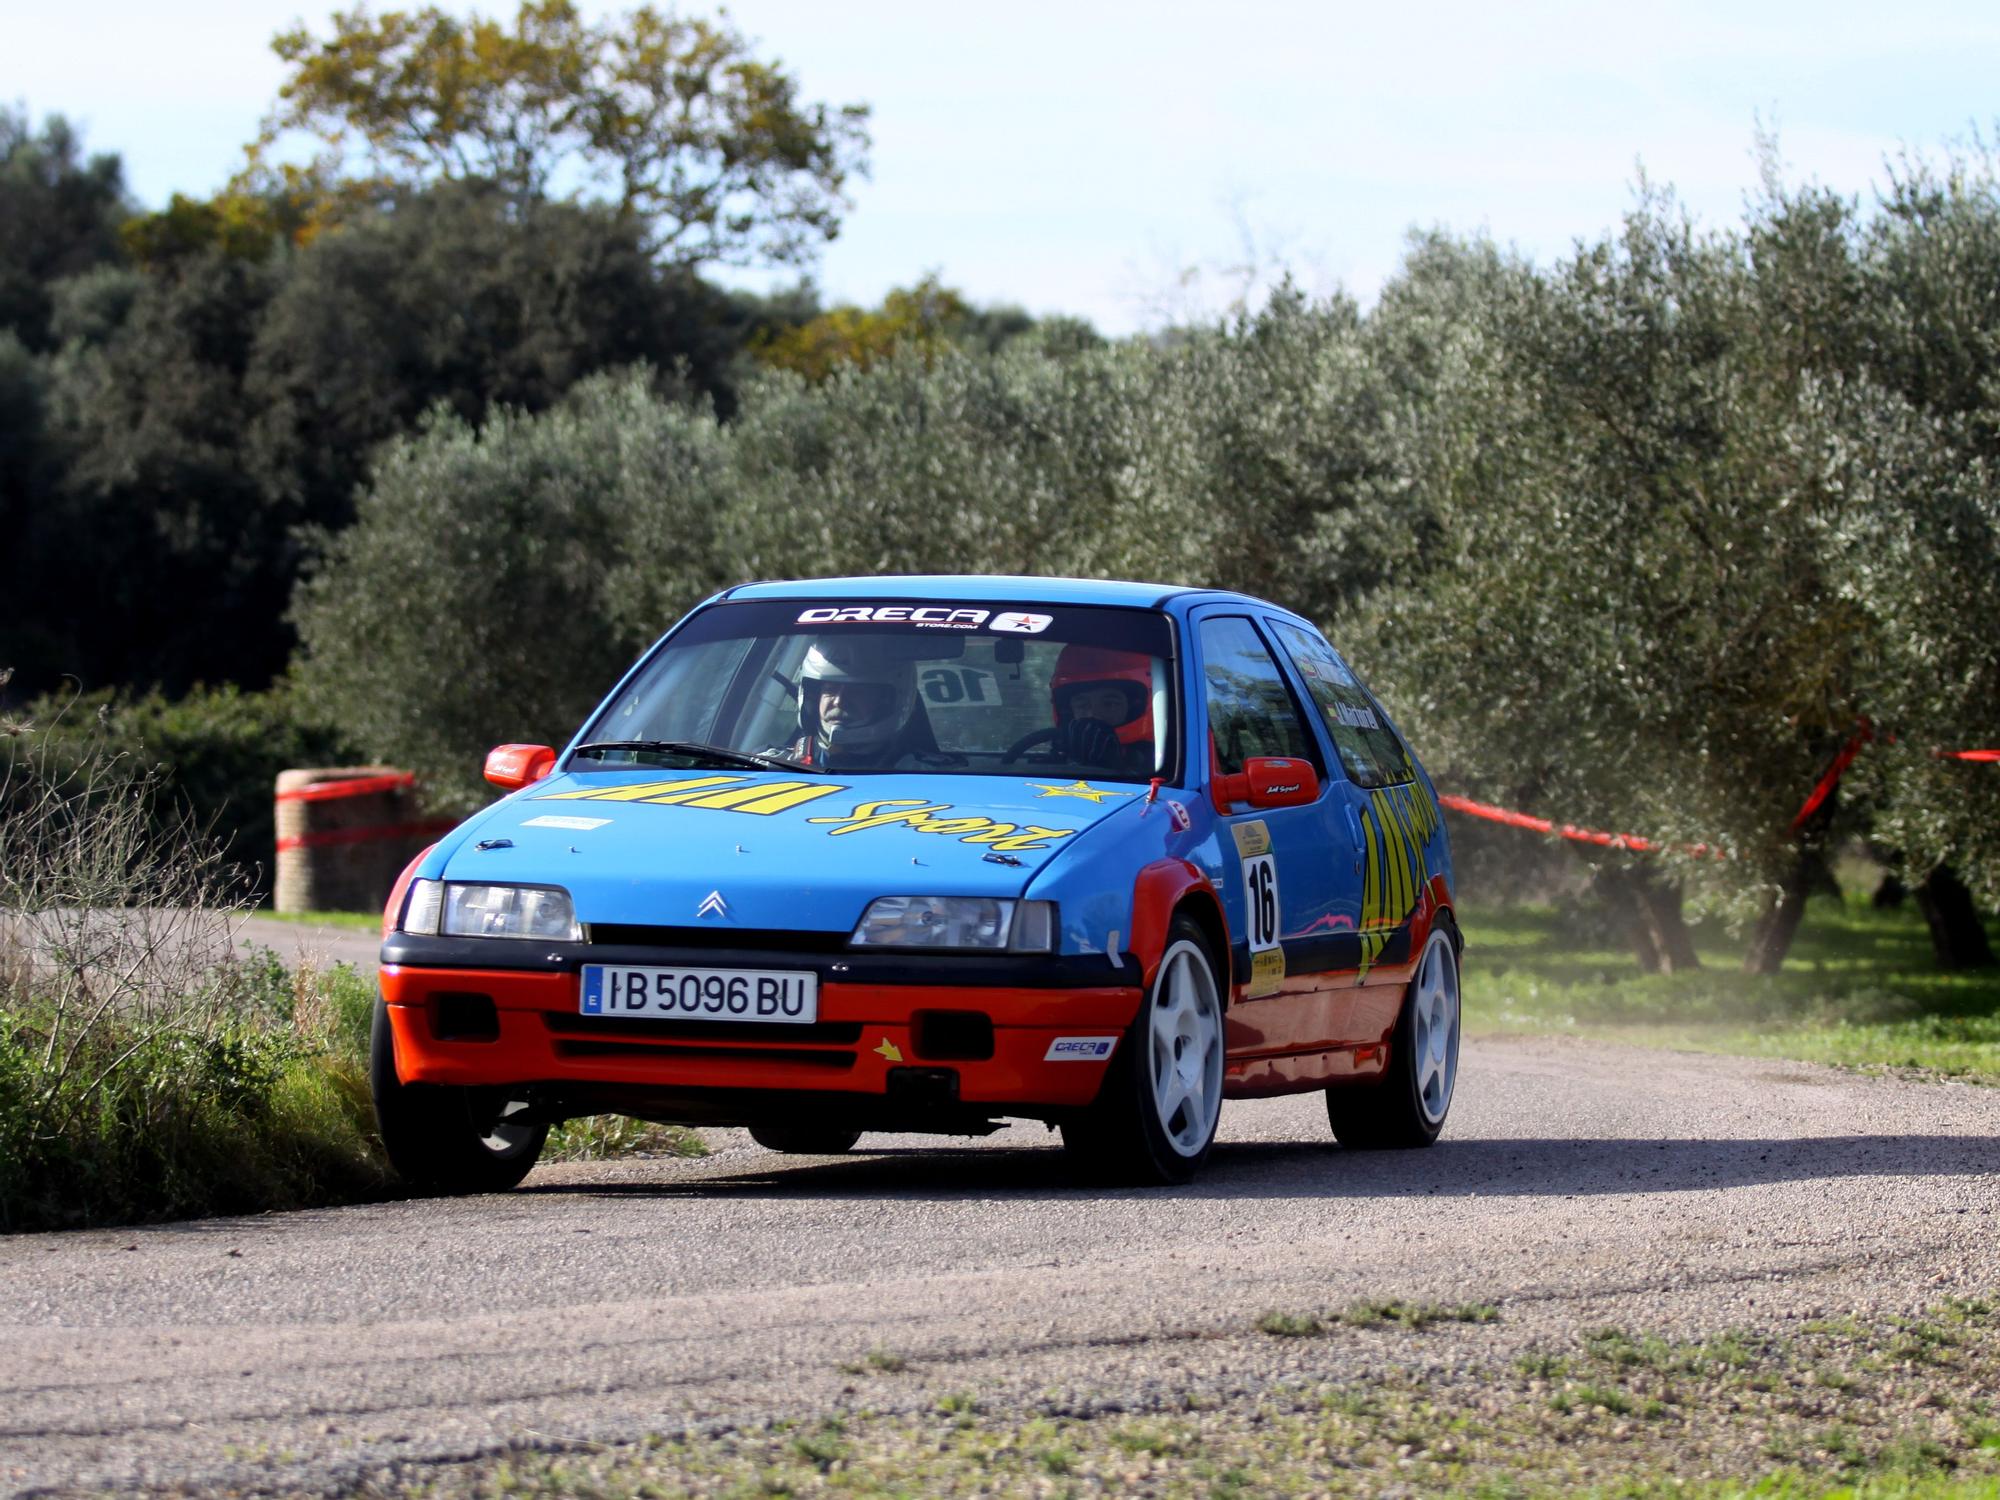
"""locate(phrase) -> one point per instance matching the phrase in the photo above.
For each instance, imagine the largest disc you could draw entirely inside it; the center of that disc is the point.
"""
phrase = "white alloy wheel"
(1184, 1062)
(506, 1140)
(1434, 1027)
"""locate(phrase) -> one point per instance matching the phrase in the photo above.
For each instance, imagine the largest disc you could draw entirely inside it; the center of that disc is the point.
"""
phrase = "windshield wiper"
(694, 750)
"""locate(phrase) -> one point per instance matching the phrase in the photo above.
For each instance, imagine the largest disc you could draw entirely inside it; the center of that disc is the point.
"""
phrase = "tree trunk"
(1957, 934)
(1661, 902)
(1646, 910)
(1772, 938)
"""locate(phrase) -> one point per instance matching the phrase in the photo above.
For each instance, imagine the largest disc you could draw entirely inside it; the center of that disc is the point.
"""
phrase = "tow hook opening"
(952, 1035)
(464, 1016)
(923, 1085)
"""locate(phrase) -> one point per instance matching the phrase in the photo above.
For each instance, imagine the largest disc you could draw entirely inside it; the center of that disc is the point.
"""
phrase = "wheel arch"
(1168, 888)
(1440, 908)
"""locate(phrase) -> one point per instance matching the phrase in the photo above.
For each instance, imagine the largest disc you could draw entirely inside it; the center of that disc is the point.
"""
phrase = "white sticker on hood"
(581, 825)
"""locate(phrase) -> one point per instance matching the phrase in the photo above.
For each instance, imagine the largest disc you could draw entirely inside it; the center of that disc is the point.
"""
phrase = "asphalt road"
(1577, 1185)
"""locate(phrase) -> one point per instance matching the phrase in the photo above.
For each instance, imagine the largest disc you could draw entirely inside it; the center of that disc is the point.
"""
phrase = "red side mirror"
(516, 766)
(1266, 781)
(1279, 781)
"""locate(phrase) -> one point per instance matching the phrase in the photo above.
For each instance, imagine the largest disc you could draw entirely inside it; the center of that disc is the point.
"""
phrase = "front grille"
(746, 939)
(806, 1057)
(831, 1033)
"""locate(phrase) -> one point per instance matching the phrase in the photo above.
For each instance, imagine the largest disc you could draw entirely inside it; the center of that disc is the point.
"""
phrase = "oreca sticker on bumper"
(1080, 1049)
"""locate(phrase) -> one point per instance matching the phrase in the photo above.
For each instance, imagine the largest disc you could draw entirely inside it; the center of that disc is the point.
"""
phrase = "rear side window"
(1250, 710)
(1370, 751)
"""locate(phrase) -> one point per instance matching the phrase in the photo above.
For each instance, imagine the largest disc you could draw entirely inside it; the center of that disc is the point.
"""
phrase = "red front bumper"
(863, 1033)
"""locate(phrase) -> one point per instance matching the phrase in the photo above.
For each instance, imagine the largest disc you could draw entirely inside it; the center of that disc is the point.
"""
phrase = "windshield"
(904, 685)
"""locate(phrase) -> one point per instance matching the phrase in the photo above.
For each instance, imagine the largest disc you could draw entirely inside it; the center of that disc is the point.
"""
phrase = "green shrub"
(214, 755)
(147, 1068)
(266, 1107)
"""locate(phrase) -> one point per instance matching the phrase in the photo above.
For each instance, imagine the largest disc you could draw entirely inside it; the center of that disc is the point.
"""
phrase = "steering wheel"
(1032, 737)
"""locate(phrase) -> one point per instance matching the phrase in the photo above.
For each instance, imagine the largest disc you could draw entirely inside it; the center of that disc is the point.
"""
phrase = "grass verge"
(1900, 1408)
(264, 1104)
(359, 921)
(1860, 989)
(267, 1107)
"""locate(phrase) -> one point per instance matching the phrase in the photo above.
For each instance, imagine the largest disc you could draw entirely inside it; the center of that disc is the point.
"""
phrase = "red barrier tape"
(1569, 830)
(1861, 736)
(364, 786)
(333, 836)
(1863, 733)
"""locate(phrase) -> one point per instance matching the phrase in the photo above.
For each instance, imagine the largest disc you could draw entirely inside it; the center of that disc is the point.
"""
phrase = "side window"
(1370, 752)
(1250, 710)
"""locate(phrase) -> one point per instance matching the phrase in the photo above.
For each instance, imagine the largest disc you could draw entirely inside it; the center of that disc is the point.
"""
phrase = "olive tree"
(1634, 625)
(497, 579)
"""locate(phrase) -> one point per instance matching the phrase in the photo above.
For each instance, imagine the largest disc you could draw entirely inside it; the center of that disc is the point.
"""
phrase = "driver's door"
(1292, 907)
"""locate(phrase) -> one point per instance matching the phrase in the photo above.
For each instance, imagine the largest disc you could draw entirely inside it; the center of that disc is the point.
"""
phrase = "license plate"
(781, 997)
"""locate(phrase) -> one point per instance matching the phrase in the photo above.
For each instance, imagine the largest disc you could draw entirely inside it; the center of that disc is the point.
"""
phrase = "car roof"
(990, 588)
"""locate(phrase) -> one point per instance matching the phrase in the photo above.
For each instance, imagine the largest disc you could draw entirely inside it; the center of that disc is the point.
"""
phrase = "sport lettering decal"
(725, 793)
(1395, 826)
(923, 818)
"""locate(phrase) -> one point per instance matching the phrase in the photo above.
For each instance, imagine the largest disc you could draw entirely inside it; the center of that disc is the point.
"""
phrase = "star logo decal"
(1081, 789)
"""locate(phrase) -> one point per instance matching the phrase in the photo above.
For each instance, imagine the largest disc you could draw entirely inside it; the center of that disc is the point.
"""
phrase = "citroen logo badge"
(712, 905)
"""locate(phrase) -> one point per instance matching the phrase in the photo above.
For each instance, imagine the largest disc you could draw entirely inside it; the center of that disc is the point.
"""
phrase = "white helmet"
(866, 721)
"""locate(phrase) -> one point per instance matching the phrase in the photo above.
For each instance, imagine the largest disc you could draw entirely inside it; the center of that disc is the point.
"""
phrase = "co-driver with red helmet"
(1103, 702)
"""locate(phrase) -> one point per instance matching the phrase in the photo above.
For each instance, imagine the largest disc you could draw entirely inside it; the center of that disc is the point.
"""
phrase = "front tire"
(1155, 1118)
(1407, 1106)
(445, 1138)
(804, 1140)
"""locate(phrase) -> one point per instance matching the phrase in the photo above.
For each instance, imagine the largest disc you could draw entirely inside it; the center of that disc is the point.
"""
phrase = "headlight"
(422, 909)
(957, 922)
(543, 913)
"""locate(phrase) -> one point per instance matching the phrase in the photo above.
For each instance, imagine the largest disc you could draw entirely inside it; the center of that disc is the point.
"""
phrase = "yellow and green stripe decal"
(1397, 824)
(728, 793)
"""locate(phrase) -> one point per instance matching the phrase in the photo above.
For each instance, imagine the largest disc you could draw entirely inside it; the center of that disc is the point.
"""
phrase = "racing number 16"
(1260, 881)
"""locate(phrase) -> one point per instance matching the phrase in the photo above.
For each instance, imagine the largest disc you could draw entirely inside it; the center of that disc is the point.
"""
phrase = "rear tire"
(444, 1138)
(1408, 1105)
(1155, 1117)
(804, 1140)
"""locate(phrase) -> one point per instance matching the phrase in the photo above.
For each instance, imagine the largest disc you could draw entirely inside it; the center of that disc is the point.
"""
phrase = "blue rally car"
(922, 854)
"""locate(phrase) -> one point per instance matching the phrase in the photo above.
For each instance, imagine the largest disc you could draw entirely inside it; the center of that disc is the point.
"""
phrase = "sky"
(1136, 164)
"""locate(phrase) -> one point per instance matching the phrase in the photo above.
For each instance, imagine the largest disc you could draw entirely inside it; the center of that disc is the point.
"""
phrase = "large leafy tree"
(498, 578)
(448, 297)
(674, 119)
(59, 216)
(1637, 624)
(161, 560)
(1927, 564)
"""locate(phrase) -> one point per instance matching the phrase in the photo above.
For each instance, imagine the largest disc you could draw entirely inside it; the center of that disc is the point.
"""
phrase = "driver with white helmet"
(857, 705)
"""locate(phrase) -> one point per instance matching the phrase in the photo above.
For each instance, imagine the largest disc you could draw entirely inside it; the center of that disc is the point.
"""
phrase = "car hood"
(804, 853)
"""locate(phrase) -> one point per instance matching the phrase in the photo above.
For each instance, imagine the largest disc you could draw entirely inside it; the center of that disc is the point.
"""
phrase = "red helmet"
(1131, 672)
